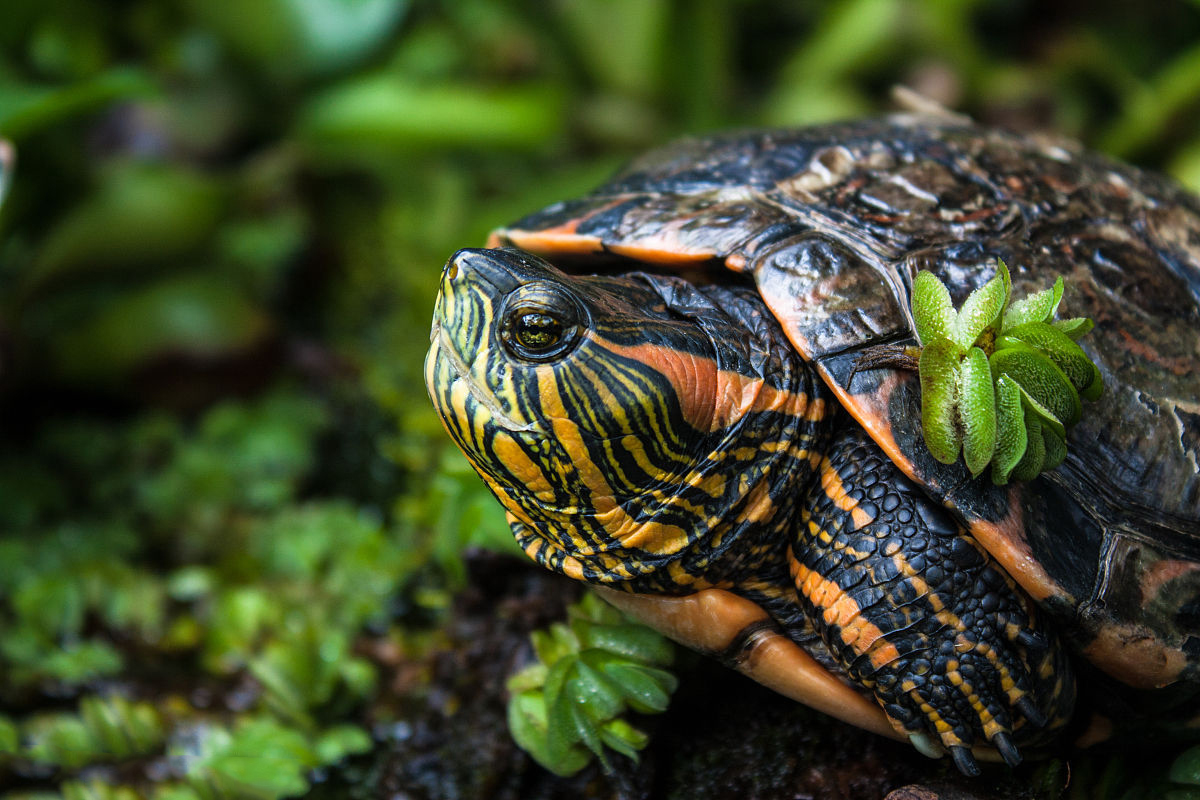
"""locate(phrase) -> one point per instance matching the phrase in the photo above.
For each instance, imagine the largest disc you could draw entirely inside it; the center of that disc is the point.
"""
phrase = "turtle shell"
(834, 222)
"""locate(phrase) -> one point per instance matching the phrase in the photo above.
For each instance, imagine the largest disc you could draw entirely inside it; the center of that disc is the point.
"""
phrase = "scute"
(834, 222)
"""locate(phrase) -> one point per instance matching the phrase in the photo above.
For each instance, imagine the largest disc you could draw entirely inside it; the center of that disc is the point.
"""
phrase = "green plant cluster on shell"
(1000, 383)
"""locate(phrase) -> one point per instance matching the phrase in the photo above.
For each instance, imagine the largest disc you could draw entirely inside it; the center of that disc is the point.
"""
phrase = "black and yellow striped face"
(632, 426)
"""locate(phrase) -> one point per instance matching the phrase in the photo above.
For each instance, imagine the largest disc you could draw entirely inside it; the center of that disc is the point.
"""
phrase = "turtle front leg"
(917, 612)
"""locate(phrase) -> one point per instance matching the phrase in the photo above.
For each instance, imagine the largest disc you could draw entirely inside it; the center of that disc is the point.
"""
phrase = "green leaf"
(199, 315)
(531, 677)
(585, 728)
(982, 309)
(387, 113)
(938, 370)
(598, 666)
(648, 690)
(1010, 429)
(933, 310)
(1045, 417)
(1038, 376)
(60, 739)
(141, 217)
(633, 641)
(9, 739)
(624, 738)
(595, 692)
(292, 39)
(527, 721)
(553, 644)
(560, 721)
(977, 410)
(1057, 346)
(1055, 447)
(593, 609)
(1035, 451)
(1037, 307)
(340, 741)
(1186, 767)
(1096, 388)
(97, 789)
(25, 109)
(1075, 327)
(635, 68)
(260, 759)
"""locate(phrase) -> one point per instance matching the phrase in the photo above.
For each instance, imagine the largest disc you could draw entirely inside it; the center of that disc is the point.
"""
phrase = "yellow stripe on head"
(625, 423)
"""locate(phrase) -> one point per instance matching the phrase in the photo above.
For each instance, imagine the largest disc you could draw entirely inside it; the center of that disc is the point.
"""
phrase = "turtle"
(662, 382)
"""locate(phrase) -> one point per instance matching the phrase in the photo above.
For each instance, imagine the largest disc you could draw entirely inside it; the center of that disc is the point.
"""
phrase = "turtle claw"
(964, 760)
(1032, 640)
(1031, 712)
(1007, 750)
(926, 745)
(890, 355)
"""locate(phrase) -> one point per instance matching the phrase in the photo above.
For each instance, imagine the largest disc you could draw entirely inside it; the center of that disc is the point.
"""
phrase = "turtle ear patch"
(694, 380)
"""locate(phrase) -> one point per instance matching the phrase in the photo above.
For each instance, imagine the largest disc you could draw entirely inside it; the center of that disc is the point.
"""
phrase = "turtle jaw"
(447, 374)
(463, 376)
(470, 383)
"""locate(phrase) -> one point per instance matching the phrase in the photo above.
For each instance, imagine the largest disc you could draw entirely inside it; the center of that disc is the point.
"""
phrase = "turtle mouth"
(442, 351)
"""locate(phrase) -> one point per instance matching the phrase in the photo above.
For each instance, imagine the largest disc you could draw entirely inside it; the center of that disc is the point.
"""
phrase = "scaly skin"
(664, 438)
(915, 610)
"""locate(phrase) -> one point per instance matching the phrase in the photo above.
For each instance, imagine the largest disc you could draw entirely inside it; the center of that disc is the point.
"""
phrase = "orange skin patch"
(838, 608)
(711, 620)
(1135, 656)
(559, 240)
(1163, 572)
(713, 399)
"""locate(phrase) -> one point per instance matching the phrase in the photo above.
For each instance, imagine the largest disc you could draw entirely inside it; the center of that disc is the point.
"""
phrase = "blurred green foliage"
(220, 478)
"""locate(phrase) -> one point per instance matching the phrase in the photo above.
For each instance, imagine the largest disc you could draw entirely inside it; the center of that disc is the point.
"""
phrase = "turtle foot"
(919, 614)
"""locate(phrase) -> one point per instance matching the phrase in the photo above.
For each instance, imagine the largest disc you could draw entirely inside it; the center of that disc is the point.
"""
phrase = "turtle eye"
(539, 322)
(538, 333)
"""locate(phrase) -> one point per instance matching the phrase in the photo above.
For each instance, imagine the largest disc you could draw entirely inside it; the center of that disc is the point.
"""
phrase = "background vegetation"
(228, 515)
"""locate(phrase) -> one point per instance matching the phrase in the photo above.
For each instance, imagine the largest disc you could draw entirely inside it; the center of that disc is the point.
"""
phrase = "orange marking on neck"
(711, 398)
(838, 608)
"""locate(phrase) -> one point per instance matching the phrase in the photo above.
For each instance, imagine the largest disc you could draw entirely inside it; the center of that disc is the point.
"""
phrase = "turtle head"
(621, 421)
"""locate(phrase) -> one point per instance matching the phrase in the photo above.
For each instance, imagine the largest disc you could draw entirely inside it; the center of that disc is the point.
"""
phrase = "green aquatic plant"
(1001, 382)
(570, 705)
(105, 729)
(259, 758)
